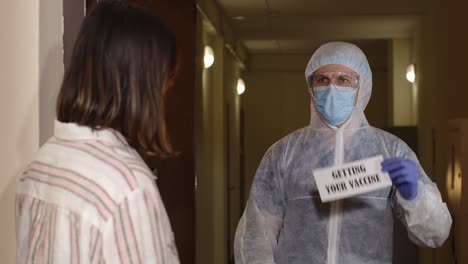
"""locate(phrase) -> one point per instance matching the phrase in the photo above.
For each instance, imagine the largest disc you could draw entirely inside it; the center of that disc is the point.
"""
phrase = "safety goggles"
(339, 79)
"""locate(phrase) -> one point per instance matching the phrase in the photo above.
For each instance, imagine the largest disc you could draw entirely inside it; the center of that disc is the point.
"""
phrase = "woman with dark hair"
(89, 197)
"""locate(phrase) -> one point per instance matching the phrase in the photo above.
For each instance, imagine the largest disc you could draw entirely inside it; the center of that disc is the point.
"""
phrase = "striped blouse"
(88, 197)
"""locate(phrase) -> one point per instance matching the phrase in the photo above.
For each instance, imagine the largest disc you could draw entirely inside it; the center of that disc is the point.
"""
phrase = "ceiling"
(300, 26)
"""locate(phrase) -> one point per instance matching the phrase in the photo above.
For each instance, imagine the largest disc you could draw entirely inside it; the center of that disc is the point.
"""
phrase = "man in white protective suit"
(286, 222)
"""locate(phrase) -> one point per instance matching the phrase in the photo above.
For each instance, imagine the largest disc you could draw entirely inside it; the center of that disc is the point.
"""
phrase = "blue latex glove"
(404, 174)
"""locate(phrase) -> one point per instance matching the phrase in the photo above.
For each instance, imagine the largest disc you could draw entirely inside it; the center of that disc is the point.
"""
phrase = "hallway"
(242, 88)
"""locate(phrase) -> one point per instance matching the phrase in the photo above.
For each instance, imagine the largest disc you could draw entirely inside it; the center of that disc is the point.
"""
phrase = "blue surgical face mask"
(335, 104)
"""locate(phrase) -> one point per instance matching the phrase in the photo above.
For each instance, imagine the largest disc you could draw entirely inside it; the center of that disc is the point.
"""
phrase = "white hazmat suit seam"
(335, 211)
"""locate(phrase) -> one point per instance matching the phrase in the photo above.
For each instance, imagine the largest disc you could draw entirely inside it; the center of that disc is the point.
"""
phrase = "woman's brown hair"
(122, 62)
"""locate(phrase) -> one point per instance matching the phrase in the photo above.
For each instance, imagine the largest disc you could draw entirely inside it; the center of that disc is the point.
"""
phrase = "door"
(176, 180)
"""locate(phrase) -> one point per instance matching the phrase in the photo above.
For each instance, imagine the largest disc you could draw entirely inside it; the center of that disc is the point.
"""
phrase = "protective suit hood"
(352, 57)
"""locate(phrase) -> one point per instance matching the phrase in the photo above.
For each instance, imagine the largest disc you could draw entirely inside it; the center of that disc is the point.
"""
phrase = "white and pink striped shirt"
(88, 197)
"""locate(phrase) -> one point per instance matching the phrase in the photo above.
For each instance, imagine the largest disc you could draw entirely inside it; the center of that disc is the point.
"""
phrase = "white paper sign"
(351, 179)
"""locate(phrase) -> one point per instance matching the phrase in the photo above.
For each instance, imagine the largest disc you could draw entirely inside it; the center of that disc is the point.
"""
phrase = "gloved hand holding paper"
(351, 179)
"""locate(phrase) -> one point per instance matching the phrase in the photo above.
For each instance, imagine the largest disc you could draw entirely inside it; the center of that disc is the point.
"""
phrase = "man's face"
(337, 74)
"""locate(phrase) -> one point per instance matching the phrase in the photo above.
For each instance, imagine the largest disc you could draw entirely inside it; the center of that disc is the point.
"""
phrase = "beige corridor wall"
(211, 181)
(217, 149)
(51, 66)
(442, 56)
(232, 72)
(19, 104)
(31, 70)
(400, 57)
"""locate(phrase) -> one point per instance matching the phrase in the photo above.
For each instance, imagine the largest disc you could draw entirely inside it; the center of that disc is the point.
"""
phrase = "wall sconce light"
(240, 86)
(208, 58)
(410, 73)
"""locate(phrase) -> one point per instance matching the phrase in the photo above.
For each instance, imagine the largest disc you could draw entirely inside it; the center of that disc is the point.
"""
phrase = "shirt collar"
(73, 131)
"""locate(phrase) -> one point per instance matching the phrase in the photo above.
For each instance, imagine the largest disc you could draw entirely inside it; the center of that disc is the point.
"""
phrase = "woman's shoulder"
(114, 168)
